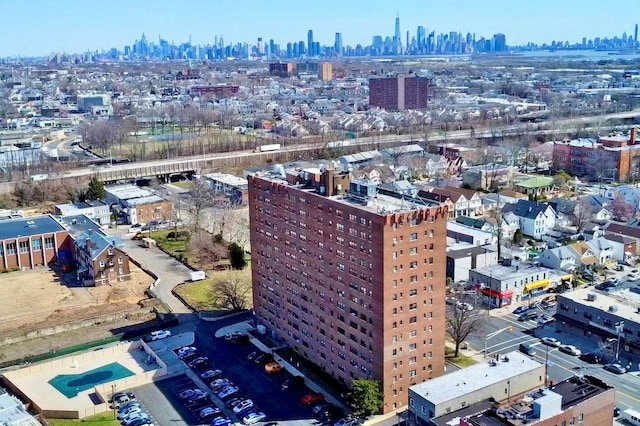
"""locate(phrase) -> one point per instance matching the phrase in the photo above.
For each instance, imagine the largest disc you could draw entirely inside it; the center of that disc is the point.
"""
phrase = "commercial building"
(488, 176)
(232, 186)
(399, 93)
(86, 102)
(33, 241)
(138, 205)
(326, 71)
(578, 400)
(500, 284)
(215, 91)
(282, 69)
(95, 210)
(603, 314)
(351, 276)
(462, 258)
(500, 378)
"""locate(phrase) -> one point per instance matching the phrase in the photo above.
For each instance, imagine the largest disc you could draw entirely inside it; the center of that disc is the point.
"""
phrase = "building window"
(412, 360)
(36, 244)
(412, 373)
(11, 248)
(413, 319)
(120, 260)
(411, 403)
(414, 236)
(413, 251)
(48, 242)
(24, 246)
(580, 418)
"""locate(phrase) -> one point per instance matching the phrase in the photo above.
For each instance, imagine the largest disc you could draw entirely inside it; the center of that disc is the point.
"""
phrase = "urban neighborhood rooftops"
(28, 226)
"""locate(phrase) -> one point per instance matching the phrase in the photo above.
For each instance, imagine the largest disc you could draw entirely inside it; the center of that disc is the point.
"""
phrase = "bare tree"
(621, 209)
(582, 214)
(461, 323)
(202, 197)
(233, 291)
(203, 249)
(497, 223)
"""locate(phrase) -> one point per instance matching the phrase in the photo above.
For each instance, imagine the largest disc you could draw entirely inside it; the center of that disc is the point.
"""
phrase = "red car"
(312, 398)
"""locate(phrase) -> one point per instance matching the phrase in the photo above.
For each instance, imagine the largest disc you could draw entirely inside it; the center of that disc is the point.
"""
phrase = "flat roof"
(462, 252)
(13, 412)
(502, 272)
(151, 199)
(468, 230)
(626, 301)
(472, 379)
(127, 191)
(28, 226)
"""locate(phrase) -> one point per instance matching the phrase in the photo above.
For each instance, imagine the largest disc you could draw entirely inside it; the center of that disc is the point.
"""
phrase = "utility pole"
(619, 327)
(113, 392)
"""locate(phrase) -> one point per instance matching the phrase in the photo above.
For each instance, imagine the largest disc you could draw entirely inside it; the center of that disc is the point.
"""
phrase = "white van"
(631, 416)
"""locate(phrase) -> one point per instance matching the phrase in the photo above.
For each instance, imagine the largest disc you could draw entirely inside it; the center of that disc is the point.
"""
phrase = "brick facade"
(358, 292)
(32, 251)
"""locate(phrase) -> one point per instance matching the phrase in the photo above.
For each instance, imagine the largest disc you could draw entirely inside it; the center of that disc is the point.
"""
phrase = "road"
(537, 128)
(561, 365)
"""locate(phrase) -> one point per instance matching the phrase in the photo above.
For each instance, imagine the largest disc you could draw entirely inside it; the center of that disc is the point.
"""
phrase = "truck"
(197, 276)
(270, 147)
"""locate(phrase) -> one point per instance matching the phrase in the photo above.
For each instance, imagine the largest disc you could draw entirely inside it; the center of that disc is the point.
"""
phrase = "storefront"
(497, 299)
(536, 287)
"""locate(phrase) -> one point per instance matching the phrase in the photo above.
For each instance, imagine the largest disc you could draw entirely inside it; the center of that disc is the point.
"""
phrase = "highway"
(561, 365)
(537, 128)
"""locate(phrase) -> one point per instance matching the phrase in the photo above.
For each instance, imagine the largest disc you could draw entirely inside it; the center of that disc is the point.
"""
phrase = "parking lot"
(265, 390)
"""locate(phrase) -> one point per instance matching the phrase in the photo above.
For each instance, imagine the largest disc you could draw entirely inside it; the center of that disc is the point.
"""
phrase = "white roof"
(152, 199)
(459, 383)
(128, 191)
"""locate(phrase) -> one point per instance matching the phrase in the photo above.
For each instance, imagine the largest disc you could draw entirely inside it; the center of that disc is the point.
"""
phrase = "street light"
(619, 326)
(494, 334)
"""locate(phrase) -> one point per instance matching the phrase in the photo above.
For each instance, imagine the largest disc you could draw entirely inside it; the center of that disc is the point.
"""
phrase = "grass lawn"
(184, 184)
(200, 294)
(174, 246)
(103, 419)
(461, 361)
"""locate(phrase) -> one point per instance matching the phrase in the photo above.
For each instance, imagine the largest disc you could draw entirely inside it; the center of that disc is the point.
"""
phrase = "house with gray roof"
(536, 219)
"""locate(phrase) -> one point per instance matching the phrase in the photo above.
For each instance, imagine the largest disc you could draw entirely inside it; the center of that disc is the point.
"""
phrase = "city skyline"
(79, 30)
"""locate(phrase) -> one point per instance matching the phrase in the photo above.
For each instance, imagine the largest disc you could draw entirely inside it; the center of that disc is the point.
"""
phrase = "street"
(560, 365)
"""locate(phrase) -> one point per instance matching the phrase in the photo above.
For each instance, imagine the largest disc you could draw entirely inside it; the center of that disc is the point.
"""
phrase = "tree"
(233, 291)
(582, 214)
(517, 237)
(96, 190)
(236, 256)
(204, 250)
(460, 324)
(621, 209)
(366, 397)
(202, 197)
(561, 179)
(497, 221)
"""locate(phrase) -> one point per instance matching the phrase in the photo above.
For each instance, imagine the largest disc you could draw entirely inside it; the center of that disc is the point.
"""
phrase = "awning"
(495, 293)
(81, 270)
(537, 285)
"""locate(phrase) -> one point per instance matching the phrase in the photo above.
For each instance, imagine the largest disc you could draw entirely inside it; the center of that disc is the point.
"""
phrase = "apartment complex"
(614, 157)
(351, 276)
(399, 93)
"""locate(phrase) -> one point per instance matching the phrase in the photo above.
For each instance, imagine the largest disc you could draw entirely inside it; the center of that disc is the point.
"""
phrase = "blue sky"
(39, 27)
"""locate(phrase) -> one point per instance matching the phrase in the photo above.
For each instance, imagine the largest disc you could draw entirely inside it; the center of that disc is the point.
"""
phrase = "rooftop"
(28, 226)
(472, 379)
(83, 229)
(626, 302)
(516, 270)
(139, 201)
(12, 412)
(127, 191)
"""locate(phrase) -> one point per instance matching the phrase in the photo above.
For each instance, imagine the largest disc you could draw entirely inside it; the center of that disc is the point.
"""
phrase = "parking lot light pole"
(113, 401)
(619, 327)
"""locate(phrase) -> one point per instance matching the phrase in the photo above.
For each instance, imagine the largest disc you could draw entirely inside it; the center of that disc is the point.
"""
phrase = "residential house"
(476, 223)
(94, 209)
(631, 229)
(443, 199)
(473, 236)
(536, 219)
(561, 258)
(359, 159)
(399, 154)
(623, 249)
(487, 176)
(499, 199)
(585, 256)
(474, 199)
(602, 249)
(436, 166)
(536, 186)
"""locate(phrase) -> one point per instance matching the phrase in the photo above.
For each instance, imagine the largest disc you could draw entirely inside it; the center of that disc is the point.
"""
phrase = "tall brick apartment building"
(351, 276)
(399, 93)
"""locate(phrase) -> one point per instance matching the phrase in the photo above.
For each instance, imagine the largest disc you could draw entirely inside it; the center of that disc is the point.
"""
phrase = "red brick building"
(30, 242)
(399, 93)
(216, 91)
(352, 277)
(610, 157)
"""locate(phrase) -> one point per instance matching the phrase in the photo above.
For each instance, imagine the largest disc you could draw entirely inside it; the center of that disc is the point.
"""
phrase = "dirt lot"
(36, 299)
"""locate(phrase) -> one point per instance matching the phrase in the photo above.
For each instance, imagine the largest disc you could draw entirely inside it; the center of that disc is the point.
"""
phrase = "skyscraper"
(421, 38)
(337, 46)
(397, 41)
(399, 93)
(635, 35)
(499, 43)
(351, 276)
(310, 51)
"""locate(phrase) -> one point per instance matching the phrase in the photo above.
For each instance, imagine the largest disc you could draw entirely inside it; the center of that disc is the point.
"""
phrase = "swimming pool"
(70, 385)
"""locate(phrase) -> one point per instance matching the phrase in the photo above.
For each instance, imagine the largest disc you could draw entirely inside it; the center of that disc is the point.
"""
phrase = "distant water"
(580, 55)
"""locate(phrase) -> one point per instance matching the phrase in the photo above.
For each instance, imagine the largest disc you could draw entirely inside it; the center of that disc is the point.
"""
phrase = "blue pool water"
(70, 385)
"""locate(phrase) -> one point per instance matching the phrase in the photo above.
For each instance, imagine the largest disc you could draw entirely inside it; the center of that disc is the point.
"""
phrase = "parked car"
(188, 353)
(228, 392)
(247, 403)
(242, 338)
(527, 349)
(253, 417)
(615, 368)
(221, 421)
(551, 341)
(211, 374)
(208, 412)
(253, 355)
(451, 301)
(528, 316)
(293, 382)
(135, 417)
(320, 407)
(273, 368)
(120, 396)
(219, 384)
(549, 305)
(233, 402)
(185, 349)
(129, 411)
(199, 395)
(312, 398)
(521, 310)
(591, 358)
(463, 306)
(127, 404)
(199, 362)
(160, 334)
(263, 358)
(570, 350)
(230, 336)
(186, 394)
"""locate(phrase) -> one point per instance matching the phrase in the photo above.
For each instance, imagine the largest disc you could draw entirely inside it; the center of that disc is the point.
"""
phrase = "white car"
(208, 412)
(135, 417)
(463, 306)
(228, 391)
(570, 349)
(186, 350)
(198, 395)
(129, 411)
(252, 418)
(551, 341)
(186, 394)
(243, 406)
(160, 334)
(211, 374)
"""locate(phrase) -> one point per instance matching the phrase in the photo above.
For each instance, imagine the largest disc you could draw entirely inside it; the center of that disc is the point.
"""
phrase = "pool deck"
(32, 381)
